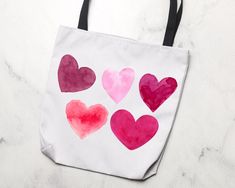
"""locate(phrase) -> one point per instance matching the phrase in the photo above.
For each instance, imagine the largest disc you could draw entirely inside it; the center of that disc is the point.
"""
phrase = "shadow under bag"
(111, 102)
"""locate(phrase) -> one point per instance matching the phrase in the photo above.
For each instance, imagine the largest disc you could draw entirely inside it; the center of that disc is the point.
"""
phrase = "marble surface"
(201, 150)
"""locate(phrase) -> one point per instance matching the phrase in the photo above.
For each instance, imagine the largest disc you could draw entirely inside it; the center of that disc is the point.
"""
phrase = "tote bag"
(111, 102)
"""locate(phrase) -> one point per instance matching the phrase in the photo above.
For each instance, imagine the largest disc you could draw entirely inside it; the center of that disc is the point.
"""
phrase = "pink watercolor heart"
(133, 134)
(83, 120)
(117, 84)
(72, 78)
(154, 93)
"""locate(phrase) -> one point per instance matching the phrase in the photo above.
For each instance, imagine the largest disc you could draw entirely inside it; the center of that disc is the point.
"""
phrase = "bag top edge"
(123, 38)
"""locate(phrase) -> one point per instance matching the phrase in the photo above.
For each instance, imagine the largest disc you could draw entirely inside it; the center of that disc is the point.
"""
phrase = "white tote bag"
(111, 102)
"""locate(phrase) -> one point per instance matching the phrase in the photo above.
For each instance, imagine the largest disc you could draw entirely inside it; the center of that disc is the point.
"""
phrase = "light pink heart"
(117, 84)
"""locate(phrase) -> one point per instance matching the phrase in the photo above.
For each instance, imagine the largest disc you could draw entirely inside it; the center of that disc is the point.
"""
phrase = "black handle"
(173, 22)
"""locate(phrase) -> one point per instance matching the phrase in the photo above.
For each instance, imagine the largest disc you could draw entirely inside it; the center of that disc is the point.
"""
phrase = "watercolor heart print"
(72, 78)
(133, 134)
(153, 92)
(117, 84)
(85, 120)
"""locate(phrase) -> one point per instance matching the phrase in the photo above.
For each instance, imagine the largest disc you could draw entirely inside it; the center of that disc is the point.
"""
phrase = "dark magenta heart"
(72, 78)
(154, 93)
(133, 134)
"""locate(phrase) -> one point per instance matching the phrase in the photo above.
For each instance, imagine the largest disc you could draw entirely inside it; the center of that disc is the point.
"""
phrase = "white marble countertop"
(201, 150)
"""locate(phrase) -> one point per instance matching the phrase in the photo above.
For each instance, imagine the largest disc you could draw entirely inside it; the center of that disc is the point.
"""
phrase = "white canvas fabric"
(118, 120)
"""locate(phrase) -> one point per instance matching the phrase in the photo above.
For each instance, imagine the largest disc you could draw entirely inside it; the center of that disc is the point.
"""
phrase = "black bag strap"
(174, 18)
(173, 22)
(82, 24)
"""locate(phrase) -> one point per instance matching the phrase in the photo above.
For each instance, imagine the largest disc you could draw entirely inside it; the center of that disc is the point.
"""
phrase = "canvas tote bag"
(111, 102)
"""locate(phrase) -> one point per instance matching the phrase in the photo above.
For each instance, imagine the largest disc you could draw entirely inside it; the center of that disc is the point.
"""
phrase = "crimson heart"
(154, 93)
(83, 120)
(72, 78)
(133, 134)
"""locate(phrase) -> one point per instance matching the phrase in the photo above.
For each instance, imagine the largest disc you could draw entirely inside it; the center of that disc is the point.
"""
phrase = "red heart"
(133, 134)
(83, 120)
(154, 93)
(73, 79)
